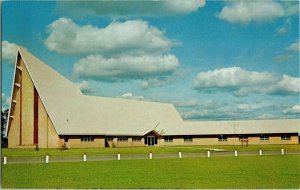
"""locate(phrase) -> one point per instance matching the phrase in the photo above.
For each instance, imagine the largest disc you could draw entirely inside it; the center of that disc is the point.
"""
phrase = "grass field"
(141, 150)
(216, 172)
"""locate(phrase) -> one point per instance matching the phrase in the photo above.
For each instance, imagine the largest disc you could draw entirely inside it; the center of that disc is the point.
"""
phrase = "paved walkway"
(41, 159)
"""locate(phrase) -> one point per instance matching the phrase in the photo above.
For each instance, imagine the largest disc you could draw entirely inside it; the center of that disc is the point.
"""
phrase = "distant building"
(48, 110)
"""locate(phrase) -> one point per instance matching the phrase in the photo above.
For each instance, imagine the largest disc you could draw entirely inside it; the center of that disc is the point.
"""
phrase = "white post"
(84, 157)
(5, 160)
(150, 155)
(179, 154)
(282, 151)
(260, 152)
(235, 153)
(119, 156)
(208, 154)
(47, 158)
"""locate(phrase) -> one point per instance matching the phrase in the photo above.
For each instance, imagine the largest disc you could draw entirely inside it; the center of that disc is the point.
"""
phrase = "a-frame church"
(49, 111)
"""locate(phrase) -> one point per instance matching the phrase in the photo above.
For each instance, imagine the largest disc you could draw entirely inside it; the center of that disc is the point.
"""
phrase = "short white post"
(150, 155)
(208, 154)
(119, 156)
(84, 157)
(235, 153)
(179, 154)
(5, 160)
(47, 158)
(260, 152)
(282, 151)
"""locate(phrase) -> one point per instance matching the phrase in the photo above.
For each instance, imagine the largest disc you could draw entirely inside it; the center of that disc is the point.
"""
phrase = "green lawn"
(141, 150)
(216, 172)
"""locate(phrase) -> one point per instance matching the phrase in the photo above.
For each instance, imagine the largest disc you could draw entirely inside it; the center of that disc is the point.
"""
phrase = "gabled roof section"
(73, 113)
(55, 91)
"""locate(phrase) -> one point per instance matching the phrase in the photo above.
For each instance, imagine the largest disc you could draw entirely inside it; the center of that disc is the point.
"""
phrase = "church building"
(49, 111)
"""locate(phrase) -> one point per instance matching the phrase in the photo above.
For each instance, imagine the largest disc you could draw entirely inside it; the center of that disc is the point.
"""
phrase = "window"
(285, 137)
(188, 139)
(264, 137)
(87, 138)
(168, 139)
(222, 138)
(66, 139)
(135, 139)
(122, 139)
(243, 137)
(109, 139)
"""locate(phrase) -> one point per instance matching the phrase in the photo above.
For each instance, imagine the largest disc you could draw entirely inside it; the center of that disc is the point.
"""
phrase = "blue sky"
(213, 60)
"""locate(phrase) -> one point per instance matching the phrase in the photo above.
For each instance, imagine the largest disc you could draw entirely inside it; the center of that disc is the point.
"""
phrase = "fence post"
(150, 155)
(84, 157)
(47, 158)
(208, 154)
(119, 156)
(5, 160)
(235, 153)
(260, 152)
(179, 154)
(282, 151)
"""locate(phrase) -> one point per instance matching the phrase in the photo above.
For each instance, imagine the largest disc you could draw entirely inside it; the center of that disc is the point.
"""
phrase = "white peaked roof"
(73, 113)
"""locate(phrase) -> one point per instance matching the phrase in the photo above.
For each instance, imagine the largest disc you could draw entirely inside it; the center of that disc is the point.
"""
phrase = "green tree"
(4, 117)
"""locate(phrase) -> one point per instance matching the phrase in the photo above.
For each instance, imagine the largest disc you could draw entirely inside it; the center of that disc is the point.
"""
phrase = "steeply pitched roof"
(73, 113)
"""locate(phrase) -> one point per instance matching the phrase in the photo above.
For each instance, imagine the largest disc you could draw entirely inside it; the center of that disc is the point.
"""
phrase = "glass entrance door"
(150, 141)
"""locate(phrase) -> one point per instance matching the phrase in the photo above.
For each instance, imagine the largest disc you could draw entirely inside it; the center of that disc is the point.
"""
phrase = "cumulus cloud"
(120, 51)
(129, 8)
(131, 96)
(295, 109)
(290, 7)
(9, 51)
(134, 36)
(125, 67)
(294, 46)
(229, 110)
(242, 82)
(244, 12)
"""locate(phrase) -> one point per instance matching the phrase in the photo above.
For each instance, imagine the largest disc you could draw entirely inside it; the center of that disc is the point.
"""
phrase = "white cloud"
(135, 36)
(5, 101)
(229, 110)
(282, 58)
(295, 109)
(9, 51)
(119, 51)
(294, 46)
(285, 28)
(244, 12)
(125, 67)
(131, 96)
(290, 7)
(129, 8)
(242, 82)
(267, 116)
(85, 87)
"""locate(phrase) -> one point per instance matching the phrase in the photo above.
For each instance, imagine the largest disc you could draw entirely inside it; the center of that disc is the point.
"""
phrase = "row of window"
(123, 139)
(263, 137)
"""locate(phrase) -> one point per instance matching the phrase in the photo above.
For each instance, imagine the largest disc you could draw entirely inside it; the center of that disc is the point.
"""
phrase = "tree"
(4, 117)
